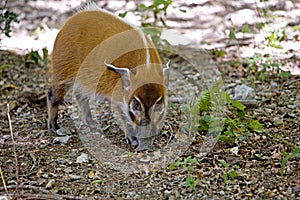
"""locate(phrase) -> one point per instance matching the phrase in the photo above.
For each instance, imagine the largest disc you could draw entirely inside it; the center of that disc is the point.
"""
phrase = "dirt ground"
(33, 166)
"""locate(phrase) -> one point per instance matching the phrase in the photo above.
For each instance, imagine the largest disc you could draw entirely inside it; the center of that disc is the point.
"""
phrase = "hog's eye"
(136, 105)
(159, 105)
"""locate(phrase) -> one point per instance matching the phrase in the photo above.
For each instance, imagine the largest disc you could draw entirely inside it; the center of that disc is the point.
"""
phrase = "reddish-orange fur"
(82, 34)
(79, 36)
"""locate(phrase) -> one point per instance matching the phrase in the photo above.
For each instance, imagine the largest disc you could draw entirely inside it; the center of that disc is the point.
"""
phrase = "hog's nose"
(145, 144)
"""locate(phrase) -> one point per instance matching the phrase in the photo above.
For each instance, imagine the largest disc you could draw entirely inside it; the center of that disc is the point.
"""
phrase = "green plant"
(2, 67)
(7, 17)
(295, 153)
(262, 66)
(159, 12)
(187, 165)
(153, 17)
(33, 57)
(230, 171)
(236, 126)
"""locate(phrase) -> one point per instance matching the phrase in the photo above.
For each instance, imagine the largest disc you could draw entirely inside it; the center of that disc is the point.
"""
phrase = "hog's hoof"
(132, 141)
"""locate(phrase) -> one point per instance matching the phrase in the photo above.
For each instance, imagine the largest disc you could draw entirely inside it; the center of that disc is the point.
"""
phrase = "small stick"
(3, 181)
(14, 147)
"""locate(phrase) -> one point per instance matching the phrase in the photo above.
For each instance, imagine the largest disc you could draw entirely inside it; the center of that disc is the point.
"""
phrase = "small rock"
(167, 192)
(61, 161)
(73, 152)
(45, 175)
(6, 137)
(74, 177)
(61, 140)
(68, 170)
(277, 121)
(296, 189)
(50, 184)
(292, 106)
(222, 192)
(273, 84)
(243, 92)
(82, 158)
(63, 132)
(130, 194)
(96, 175)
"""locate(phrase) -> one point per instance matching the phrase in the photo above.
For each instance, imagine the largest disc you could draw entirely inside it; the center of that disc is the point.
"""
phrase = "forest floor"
(33, 166)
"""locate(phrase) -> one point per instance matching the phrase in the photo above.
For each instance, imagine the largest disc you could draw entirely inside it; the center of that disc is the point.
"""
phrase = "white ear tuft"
(166, 73)
(91, 5)
(123, 72)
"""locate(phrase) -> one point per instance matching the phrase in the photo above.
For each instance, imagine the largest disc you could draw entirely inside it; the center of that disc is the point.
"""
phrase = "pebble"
(292, 106)
(6, 137)
(277, 121)
(296, 189)
(61, 140)
(97, 175)
(243, 92)
(82, 158)
(68, 170)
(273, 84)
(74, 177)
(50, 184)
(63, 132)
(45, 175)
(73, 152)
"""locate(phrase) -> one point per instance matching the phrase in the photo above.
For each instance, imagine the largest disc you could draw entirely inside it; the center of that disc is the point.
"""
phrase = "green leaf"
(296, 28)
(232, 174)
(238, 105)
(218, 53)
(296, 151)
(96, 181)
(225, 138)
(178, 162)
(240, 113)
(254, 125)
(245, 28)
(285, 74)
(142, 7)
(192, 160)
(236, 166)
(172, 166)
(204, 123)
(224, 163)
(225, 96)
(260, 25)
(190, 182)
(204, 101)
(232, 35)
(123, 14)
(224, 177)
(283, 163)
(162, 2)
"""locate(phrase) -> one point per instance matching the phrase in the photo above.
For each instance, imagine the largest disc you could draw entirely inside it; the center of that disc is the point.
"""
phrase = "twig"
(291, 82)
(44, 194)
(3, 181)
(34, 161)
(14, 148)
(281, 139)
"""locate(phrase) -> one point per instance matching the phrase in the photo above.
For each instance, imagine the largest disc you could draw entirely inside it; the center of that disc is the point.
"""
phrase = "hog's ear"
(166, 73)
(123, 72)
